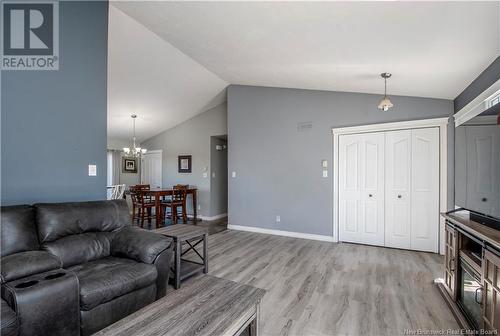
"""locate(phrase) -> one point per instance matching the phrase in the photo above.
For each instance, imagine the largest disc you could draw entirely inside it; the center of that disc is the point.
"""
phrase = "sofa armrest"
(23, 264)
(139, 244)
(9, 324)
(45, 303)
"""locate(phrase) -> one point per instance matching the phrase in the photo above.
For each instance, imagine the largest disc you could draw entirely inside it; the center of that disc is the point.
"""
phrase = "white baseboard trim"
(206, 218)
(281, 233)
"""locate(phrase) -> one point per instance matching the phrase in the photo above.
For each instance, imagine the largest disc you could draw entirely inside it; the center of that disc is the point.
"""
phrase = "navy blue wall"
(54, 122)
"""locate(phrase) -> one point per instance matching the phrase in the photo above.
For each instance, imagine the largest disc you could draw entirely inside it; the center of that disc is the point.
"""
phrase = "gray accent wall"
(54, 122)
(191, 138)
(278, 168)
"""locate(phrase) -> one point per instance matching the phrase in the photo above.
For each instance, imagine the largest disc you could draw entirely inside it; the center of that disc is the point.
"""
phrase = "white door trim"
(154, 151)
(400, 125)
(442, 123)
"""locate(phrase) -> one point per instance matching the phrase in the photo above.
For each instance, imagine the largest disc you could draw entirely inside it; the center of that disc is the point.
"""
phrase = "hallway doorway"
(218, 176)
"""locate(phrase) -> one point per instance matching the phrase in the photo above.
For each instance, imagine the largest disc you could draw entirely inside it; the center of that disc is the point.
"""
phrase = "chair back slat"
(137, 197)
(137, 193)
(179, 193)
(141, 187)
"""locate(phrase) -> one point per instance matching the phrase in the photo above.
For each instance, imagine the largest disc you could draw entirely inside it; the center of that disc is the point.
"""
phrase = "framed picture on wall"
(184, 163)
(129, 165)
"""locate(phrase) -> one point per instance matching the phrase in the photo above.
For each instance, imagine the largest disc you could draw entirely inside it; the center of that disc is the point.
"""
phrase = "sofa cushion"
(23, 264)
(105, 279)
(58, 220)
(9, 323)
(18, 230)
(80, 248)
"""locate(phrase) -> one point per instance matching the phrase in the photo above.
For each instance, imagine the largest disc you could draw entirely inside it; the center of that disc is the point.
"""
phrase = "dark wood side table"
(208, 306)
(192, 236)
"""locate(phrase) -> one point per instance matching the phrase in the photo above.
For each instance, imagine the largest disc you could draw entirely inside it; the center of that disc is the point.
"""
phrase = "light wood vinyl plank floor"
(321, 288)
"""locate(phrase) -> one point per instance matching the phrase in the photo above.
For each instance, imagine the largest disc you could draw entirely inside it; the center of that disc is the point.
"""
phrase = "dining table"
(159, 193)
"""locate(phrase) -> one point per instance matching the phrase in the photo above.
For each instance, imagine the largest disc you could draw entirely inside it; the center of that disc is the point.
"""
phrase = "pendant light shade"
(385, 103)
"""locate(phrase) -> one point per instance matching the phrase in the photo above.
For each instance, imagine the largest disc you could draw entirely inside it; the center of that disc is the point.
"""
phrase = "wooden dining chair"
(178, 200)
(143, 207)
(141, 204)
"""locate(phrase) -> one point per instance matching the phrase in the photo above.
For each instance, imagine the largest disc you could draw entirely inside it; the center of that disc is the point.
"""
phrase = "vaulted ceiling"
(149, 77)
(433, 49)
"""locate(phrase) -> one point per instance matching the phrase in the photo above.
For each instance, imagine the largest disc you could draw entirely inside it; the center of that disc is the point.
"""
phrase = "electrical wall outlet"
(325, 173)
(213, 175)
(205, 175)
(199, 207)
(278, 219)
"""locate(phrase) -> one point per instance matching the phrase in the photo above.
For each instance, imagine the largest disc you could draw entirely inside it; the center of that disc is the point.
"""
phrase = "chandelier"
(135, 151)
(385, 103)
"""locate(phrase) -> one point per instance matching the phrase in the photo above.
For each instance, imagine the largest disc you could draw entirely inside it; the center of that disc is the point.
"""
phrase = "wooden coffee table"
(205, 306)
(192, 236)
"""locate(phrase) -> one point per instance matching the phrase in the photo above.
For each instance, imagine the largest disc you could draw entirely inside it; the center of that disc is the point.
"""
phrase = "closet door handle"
(370, 195)
(484, 199)
(399, 196)
(476, 296)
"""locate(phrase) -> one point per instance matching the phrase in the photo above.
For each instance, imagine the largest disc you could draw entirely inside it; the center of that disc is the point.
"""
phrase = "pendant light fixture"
(134, 152)
(385, 103)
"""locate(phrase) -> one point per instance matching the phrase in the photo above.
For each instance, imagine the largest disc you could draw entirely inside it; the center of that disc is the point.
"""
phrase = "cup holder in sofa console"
(55, 276)
(26, 284)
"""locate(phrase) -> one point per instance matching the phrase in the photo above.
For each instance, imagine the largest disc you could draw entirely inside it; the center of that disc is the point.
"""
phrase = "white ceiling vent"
(304, 126)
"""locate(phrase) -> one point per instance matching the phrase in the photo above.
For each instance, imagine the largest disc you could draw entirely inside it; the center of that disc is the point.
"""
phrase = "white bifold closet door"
(398, 189)
(412, 189)
(389, 189)
(361, 188)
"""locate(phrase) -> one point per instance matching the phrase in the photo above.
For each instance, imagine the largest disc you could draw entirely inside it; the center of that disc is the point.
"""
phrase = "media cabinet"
(471, 284)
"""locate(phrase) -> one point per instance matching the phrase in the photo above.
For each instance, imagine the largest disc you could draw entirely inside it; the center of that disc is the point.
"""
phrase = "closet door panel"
(373, 188)
(349, 189)
(397, 189)
(425, 189)
(361, 188)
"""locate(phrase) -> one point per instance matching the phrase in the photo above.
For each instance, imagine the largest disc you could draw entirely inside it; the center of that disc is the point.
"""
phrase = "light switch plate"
(213, 174)
(92, 170)
(325, 173)
(205, 175)
(324, 164)
(233, 174)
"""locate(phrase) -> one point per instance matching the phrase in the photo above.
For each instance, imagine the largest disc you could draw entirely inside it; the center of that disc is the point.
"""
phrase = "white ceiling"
(151, 78)
(433, 49)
